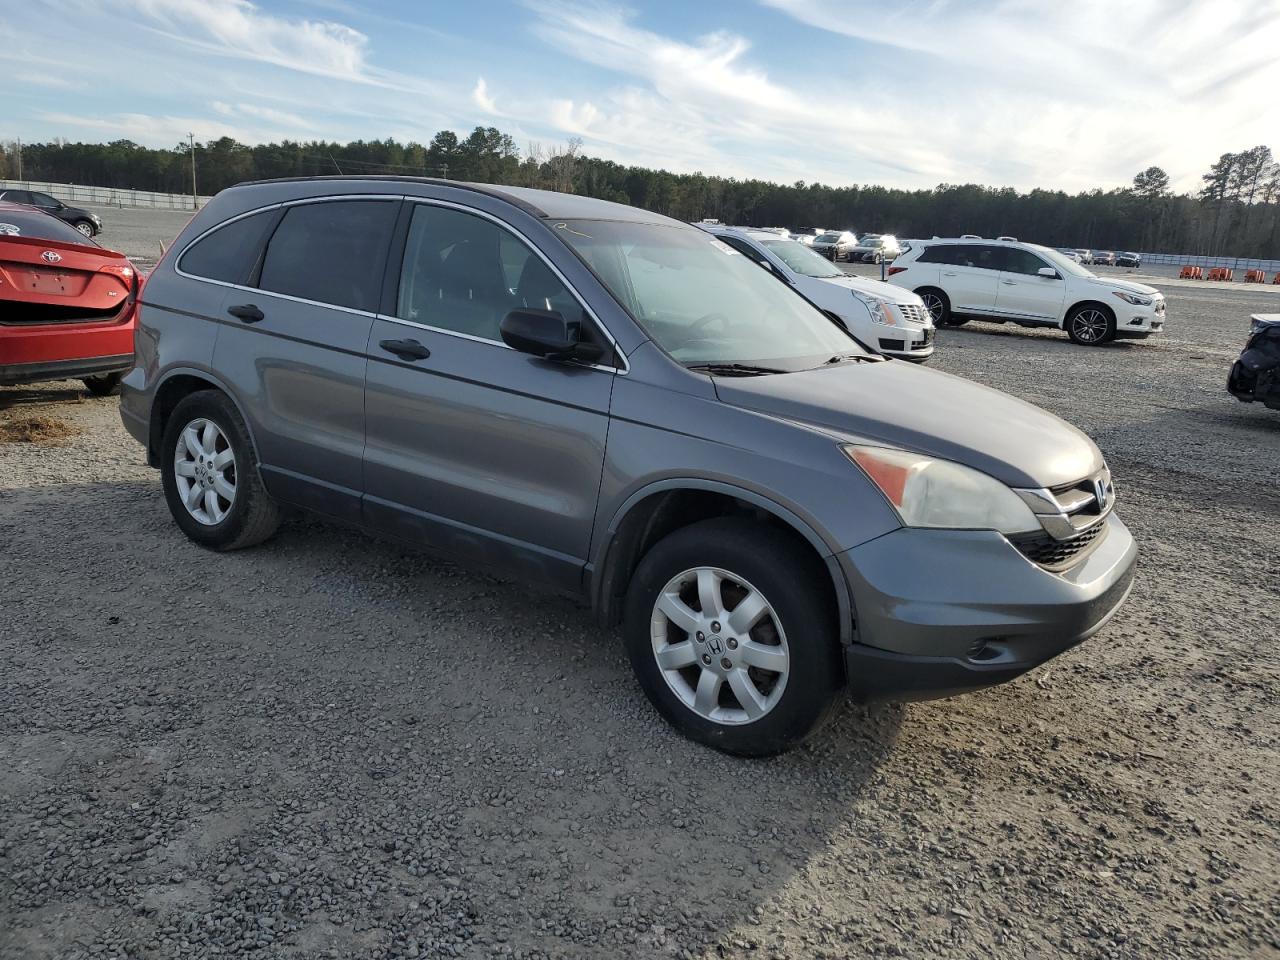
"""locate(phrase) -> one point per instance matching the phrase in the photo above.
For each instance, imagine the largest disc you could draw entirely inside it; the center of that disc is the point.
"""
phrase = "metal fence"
(1232, 263)
(110, 196)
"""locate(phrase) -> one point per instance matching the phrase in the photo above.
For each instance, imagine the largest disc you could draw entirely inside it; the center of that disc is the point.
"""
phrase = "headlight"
(941, 494)
(1136, 299)
(881, 309)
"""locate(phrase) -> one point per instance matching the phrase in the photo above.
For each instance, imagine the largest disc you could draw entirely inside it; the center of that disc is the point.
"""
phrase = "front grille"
(886, 344)
(914, 313)
(1054, 554)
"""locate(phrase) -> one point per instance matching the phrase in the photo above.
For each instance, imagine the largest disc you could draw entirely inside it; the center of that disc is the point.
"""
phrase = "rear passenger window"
(331, 252)
(939, 254)
(464, 273)
(229, 253)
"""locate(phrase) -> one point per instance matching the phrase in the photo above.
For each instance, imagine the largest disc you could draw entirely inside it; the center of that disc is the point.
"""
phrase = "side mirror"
(546, 333)
(1048, 273)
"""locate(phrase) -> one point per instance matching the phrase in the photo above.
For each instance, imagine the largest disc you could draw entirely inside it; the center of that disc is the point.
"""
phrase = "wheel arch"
(1088, 302)
(665, 506)
(173, 388)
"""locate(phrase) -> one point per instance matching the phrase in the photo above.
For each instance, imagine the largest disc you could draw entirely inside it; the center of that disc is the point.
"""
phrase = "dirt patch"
(35, 430)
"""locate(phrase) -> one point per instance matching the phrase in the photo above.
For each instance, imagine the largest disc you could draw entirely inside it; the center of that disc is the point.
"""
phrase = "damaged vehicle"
(1256, 375)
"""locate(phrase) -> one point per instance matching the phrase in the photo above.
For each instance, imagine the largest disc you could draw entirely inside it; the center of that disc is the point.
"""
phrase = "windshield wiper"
(735, 369)
(840, 357)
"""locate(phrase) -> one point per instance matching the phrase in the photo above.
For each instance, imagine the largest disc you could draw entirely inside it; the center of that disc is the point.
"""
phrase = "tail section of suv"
(615, 405)
(1027, 284)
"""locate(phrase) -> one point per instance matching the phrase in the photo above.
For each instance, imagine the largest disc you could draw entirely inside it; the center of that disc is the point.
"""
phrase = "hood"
(876, 288)
(897, 404)
(1128, 286)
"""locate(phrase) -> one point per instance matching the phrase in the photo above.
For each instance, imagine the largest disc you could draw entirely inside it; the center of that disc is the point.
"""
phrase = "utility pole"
(444, 171)
(19, 158)
(191, 141)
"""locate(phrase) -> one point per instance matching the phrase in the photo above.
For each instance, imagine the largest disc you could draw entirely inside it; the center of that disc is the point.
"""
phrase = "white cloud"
(481, 98)
(1074, 94)
(238, 28)
(270, 114)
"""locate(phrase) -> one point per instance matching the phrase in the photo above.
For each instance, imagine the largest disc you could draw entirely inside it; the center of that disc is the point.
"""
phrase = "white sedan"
(886, 318)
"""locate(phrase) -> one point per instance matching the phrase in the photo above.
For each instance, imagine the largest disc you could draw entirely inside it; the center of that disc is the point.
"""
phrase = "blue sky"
(909, 93)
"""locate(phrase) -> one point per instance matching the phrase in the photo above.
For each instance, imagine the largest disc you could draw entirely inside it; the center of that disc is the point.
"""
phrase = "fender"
(215, 381)
(844, 600)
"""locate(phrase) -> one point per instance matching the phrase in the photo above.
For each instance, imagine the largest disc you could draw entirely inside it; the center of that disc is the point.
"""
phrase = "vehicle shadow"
(69, 391)
(330, 706)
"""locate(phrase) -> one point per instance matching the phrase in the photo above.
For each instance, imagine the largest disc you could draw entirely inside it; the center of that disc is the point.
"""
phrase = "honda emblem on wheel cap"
(714, 646)
(50, 257)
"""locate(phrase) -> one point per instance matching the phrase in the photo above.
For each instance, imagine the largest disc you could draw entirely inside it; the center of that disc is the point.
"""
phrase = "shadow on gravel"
(332, 743)
(70, 392)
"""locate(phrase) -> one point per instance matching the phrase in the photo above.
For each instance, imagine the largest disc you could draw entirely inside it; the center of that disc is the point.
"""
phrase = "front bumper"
(909, 343)
(940, 612)
(1134, 322)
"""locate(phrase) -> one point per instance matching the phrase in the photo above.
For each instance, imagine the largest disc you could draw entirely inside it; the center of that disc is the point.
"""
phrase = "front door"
(473, 446)
(292, 346)
(1024, 293)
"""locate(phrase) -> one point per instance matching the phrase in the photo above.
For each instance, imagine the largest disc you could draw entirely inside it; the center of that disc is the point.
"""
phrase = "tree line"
(1236, 213)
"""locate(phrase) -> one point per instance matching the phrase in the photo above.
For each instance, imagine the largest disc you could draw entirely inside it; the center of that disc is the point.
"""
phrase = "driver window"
(1023, 261)
(464, 273)
(44, 200)
(745, 249)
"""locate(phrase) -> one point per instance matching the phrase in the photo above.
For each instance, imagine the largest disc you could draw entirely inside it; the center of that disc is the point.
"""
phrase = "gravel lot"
(331, 747)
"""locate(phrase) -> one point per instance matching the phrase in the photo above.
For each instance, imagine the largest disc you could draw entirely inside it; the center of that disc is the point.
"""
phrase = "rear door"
(970, 276)
(292, 346)
(472, 446)
(1026, 294)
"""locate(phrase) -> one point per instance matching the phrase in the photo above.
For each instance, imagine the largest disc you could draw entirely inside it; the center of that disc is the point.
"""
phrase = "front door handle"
(405, 349)
(948, 274)
(1010, 283)
(246, 313)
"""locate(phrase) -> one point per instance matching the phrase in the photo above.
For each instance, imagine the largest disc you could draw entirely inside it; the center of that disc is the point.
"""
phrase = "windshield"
(829, 238)
(1062, 262)
(701, 300)
(801, 259)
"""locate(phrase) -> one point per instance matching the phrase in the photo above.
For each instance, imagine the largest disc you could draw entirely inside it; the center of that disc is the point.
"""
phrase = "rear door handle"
(948, 274)
(246, 313)
(1010, 283)
(405, 349)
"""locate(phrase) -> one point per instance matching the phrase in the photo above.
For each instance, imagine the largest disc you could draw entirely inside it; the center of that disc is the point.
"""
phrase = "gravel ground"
(331, 747)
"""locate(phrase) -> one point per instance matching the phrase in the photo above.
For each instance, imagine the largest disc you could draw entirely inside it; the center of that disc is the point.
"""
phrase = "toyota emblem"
(50, 257)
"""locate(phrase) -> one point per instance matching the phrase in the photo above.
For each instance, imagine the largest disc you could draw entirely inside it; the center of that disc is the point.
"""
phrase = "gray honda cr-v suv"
(616, 405)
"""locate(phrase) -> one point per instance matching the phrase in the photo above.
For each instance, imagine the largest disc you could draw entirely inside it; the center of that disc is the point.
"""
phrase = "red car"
(67, 305)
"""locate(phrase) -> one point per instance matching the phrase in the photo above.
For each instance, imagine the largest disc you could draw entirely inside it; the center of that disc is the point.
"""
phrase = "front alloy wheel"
(85, 227)
(733, 635)
(720, 645)
(1090, 326)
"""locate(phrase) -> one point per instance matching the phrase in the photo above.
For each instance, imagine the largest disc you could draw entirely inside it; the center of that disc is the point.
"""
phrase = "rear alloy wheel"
(732, 639)
(103, 384)
(1091, 325)
(210, 475)
(85, 227)
(939, 306)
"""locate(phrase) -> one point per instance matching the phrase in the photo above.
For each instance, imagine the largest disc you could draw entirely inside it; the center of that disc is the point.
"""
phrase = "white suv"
(892, 321)
(1026, 284)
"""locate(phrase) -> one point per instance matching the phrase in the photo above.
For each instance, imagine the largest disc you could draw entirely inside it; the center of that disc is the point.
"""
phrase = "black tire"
(103, 384)
(1083, 324)
(787, 575)
(942, 315)
(253, 516)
